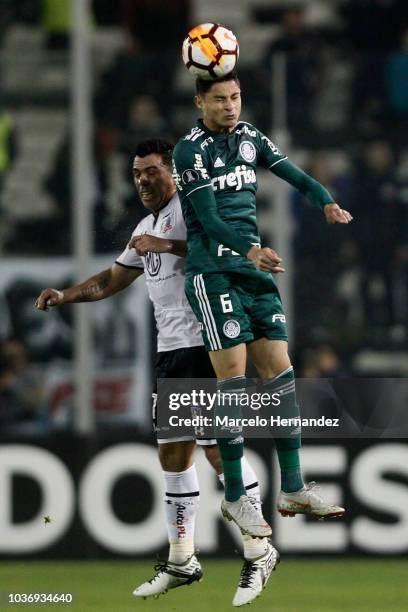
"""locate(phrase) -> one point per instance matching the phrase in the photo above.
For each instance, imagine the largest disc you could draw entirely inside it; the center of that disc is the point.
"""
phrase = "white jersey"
(176, 324)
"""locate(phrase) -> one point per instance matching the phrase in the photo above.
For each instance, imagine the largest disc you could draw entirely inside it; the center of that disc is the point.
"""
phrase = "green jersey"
(226, 163)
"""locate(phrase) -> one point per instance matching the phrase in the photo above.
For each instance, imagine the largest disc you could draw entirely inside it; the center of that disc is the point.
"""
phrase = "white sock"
(181, 500)
(251, 484)
(253, 547)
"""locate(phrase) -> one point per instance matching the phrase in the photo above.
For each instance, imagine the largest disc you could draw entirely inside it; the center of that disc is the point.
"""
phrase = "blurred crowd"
(347, 94)
(23, 406)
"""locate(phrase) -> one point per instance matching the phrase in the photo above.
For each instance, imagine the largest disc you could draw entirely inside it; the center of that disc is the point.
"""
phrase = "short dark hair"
(203, 86)
(158, 146)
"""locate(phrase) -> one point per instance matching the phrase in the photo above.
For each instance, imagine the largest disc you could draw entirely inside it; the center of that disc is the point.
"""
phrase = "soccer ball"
(210, 51)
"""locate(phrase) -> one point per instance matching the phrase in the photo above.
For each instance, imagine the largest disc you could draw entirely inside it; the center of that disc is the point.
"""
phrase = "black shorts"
(191, 362)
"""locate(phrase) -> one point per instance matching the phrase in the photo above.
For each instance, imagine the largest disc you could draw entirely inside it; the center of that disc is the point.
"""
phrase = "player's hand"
(265, 259)
(149, 244)
(335, 214)
(49, 297)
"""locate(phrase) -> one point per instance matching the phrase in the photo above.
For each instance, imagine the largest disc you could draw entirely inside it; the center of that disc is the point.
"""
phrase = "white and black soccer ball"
(210, 51)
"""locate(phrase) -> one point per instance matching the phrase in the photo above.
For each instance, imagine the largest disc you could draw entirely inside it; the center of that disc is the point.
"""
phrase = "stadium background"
(328, 80)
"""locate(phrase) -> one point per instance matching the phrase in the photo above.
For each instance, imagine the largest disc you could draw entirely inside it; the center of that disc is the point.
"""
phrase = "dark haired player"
(233, 294)
(159, 240)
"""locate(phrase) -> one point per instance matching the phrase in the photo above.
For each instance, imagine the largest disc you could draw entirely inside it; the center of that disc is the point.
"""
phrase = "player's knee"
(275, 368)
(175, 457)
(232, 369)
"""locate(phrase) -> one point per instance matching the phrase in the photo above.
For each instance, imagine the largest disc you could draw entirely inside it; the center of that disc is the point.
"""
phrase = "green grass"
(356, 585)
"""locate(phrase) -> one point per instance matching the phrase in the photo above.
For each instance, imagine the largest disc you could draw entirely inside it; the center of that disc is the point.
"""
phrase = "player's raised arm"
(97, 287)
(314, 191)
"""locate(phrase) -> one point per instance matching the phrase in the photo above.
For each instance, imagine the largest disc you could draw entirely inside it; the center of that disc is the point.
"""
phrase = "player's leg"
(229, 365)
(224, 333)
(272, 362)
(252, 547)
(212, 454)
(225, 329)
(181, 495)
(270, 356)
(203, 369)
(177, 461)
(249, 477)
(181, 505)
(260, 557)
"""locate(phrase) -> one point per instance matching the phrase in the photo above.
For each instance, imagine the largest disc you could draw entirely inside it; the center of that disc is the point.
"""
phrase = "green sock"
(234, 486)
(288, 447)
(231, 447)
(291, 475)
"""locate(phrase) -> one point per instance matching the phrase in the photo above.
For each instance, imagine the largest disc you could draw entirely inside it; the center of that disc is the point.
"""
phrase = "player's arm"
(97, 287)
(314, 191)
(193, 183)
(146, 243)
(205, 207)
(273, 159)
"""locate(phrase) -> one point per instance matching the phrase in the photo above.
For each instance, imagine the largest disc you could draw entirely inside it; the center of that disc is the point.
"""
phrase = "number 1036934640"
(35, 598)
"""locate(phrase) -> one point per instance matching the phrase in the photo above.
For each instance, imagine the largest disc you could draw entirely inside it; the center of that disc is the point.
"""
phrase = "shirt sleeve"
(269, 154)
(129, 258)
(205, 207)
(314, 191)
(189, 171)
(193, 182)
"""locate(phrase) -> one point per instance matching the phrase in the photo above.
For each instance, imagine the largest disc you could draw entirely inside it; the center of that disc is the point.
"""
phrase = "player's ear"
(198, 102)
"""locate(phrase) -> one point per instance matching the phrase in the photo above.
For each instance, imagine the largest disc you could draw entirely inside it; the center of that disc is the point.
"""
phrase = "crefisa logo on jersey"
(231, 328)
(247, 150)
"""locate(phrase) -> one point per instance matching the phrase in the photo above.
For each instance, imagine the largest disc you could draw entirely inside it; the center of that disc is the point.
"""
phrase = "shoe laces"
(254, 503)
(314, 489)
(247, 508)
(247, 574)
(160, 568)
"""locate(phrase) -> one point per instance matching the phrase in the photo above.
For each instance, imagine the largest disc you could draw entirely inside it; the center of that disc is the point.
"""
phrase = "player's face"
(221, 106)
(153, 181)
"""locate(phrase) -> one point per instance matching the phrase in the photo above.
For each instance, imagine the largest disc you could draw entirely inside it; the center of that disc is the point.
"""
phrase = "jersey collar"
(157, 213)
(202, 126)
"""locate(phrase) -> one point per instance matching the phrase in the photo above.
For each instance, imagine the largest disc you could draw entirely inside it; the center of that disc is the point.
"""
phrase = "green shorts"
(235, 308)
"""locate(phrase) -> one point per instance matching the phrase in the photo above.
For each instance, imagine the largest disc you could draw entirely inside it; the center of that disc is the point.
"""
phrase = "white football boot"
(169, 576)
(307, 501)
(249, 520)
(254, 576)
